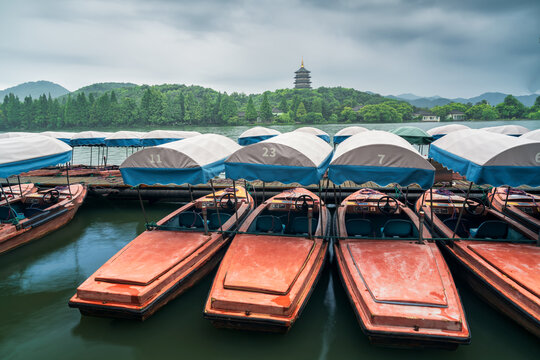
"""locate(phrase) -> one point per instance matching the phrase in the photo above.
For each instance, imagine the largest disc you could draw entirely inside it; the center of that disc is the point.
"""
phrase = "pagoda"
(302, 79)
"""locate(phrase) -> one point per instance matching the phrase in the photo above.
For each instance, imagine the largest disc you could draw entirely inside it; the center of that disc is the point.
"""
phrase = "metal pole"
(431, 207)
(142, 205)
(8, 204)
(215, 204)
(68, 184)
(462, 209)
(506, 199)
(310, 217)
(90, 156)
(205, 219)
(191, 192)
(264, 193)
(421, 227)
(20, 187)
(235, 204)
(10, 189)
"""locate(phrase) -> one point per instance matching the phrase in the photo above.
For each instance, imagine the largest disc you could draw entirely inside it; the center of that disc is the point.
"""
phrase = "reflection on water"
(37, 280)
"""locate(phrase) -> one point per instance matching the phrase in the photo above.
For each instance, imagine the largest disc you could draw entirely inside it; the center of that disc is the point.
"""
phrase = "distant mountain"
(35, 89)
(493, 98)
(101, 88)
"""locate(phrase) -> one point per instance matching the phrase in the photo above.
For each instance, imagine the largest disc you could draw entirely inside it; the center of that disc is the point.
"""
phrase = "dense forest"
(119, 105)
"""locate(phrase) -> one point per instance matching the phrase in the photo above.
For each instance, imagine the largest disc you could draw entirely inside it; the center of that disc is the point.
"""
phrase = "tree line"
(173, 105)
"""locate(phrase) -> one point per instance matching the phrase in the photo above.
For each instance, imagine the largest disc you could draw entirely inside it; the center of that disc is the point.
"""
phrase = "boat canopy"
(512, 130)
(347, 132)
(158, 137)
(293, 157)
(489, 158)
(60, 135)
(256, 134)
(314, 131)
(124, 139)
(381, 157)
(413, 135)
(89, 138)
(533, 135)
(26, 153)
(190, 161)
(14, 134)
(439, 131)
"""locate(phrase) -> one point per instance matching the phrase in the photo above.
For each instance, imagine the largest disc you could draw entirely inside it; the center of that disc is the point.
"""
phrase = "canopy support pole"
(67, 177)
(205, 218)
(310, 217)
(245, 189)
(506, 199)
(431, 207)
(191, 191)
(421, 217)
(235, 203)
(264, 193)
(142, 205)
(462, 209)
(215, 204)
(8, 204)
(326, 192)
(90, 155)
(337, 205)
(9, 185)
(20, 187)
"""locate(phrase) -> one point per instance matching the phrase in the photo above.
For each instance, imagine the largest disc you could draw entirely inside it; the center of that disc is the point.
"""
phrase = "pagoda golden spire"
(302, 62)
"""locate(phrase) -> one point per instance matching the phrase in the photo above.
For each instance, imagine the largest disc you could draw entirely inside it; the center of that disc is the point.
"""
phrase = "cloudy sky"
(449, 48)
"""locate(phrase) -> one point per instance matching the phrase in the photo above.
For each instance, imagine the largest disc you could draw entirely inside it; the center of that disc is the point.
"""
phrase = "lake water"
(37, 280)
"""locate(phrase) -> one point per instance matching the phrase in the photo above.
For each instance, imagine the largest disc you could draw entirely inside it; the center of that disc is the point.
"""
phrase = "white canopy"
(31, 152)
(125, 135)
(290, 157)
(489, 158)
(8, 135)
(169, 134)
(350, 130)
(382, 157)
(440, 131)
(311, 130)
(533, 135)
(514, 130)
(58, 134)
(259, 131)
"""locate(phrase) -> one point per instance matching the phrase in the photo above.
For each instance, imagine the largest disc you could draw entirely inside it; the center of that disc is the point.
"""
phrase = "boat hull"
(11, 237)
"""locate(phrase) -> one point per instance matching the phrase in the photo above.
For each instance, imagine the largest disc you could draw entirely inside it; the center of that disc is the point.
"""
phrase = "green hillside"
(35, 89)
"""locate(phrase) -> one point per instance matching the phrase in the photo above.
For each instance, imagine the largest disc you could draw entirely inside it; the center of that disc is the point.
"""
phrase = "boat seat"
(359, 227)
(491, 229)
(33, 211)
(300, 225)
(190, 219)
(398, 228)
(462, 229)
(214, 220)
(7, 213)
(269, 223)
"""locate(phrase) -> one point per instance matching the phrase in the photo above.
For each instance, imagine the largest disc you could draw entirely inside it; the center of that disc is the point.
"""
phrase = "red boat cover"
(269, 264)
(150, 255)
(519, 262)
(398, 271)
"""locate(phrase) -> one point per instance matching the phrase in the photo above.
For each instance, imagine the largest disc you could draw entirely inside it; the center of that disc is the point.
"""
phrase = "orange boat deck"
(401, 289)
(157, 265)
(265, 280)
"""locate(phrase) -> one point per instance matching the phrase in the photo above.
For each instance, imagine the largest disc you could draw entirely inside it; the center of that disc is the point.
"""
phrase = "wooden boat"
(272, 265)
(36, 214)
(398, 283)
(492, 255)
(14, 192)
(165, 260)
(518, 204)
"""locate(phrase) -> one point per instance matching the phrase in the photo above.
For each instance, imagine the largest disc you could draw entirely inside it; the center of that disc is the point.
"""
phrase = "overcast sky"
(449, 48)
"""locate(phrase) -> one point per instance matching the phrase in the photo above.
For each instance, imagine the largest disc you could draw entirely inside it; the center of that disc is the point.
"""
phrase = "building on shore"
(456, 115)
(426, 116)
(302, 79)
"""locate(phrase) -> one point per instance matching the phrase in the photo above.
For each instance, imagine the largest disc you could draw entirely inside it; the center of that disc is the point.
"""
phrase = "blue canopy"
(288, 158)
(256, 134)
(489, 158)
(381, 157)
(347, 132)
(26, 153)
(191, 161)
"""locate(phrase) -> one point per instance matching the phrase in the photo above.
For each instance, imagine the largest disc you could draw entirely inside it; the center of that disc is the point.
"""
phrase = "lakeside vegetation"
(108, 105)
